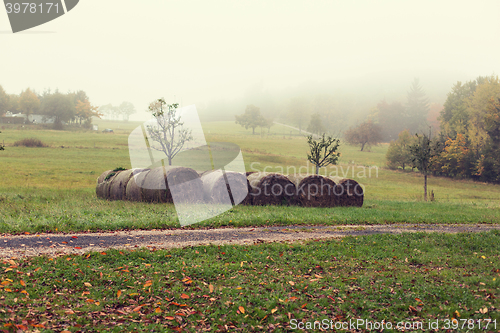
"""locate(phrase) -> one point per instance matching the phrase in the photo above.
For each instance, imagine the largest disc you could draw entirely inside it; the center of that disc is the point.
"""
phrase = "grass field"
(408, 278)
(411, 278)
(47, 188)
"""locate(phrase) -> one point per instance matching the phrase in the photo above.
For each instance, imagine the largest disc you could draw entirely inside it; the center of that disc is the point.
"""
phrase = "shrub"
(30, 142)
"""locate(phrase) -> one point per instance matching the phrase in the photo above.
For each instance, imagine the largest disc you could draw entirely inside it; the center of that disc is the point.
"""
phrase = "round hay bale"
(103, 175)
(271, 189)
(157, 183)
(133, 190)
(102, 189)
(348, 192)
(313, 190)
(118, 188)
(248, 199)
(217, 191)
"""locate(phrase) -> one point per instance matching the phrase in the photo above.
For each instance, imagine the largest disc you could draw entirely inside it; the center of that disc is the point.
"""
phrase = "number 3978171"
(32, 8)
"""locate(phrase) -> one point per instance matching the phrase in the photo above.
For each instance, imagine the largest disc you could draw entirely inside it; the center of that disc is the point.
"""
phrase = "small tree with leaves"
(422, 153)
(323, 152)
(168, 133)
(398, 154)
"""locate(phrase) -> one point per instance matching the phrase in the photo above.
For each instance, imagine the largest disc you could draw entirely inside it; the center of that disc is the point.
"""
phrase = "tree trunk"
(425, 187)
(253, 130)
(317, 169)
(169, 160)
(362, 146)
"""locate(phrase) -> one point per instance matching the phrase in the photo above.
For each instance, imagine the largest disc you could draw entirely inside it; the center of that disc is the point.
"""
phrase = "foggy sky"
(200, 51)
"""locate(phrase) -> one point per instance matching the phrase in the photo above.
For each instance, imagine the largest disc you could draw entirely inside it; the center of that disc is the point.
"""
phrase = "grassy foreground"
(45, 210)
(267, 287)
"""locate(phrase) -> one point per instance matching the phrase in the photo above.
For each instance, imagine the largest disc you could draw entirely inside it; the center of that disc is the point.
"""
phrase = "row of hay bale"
(161, 185)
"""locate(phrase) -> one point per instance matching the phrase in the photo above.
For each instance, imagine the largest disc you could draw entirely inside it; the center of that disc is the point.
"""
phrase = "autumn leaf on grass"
(158, 310)
(118, 293)
(291, 283)
(483, 310)
(22, 283)
(87, 284)
(242, 309)
(184, 296)
(147, 284)
(211, 288)
(274, 310)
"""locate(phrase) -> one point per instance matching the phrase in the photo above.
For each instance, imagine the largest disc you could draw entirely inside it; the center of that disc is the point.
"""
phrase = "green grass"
(46, 210)
(57, 184)
(410, 277)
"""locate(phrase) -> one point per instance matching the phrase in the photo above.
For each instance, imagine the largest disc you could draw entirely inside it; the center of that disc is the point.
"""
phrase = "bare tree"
(169, 132)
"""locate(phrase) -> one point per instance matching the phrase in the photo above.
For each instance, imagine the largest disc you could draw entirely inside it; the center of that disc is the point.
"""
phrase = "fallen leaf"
(274, 310)
(242, 309)
(103, 253)
(169, 318)
(291, 283)
(22, 283)
(78, 248)
(87, 284)
(483, 310)
(184, 296)
(158, 310)
(303, 305)
(74, 237)
(211, 288)
(118, 293)
(137, 309)
(147, 284)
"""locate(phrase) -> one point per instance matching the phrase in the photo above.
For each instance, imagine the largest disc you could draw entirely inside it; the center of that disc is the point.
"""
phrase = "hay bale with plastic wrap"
(118, 188)
(133, 190)
(271, 189)
(348, 192)
(158, 182)
(313, 190)
(217, 191)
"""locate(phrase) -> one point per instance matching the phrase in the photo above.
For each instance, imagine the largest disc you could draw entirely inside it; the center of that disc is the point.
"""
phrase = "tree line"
(70, 108)
(468, 144)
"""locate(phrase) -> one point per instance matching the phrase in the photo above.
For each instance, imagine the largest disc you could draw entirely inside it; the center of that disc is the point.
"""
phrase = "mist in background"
(224, 55)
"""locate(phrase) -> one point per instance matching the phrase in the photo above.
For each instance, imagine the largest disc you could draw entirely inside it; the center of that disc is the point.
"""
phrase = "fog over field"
(223, 55)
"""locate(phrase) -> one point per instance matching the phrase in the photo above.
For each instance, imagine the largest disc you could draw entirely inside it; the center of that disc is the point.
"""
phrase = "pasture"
(53, 188)
(405, 278)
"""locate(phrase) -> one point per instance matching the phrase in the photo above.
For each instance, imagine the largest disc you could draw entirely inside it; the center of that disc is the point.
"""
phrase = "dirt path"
(55, 244)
